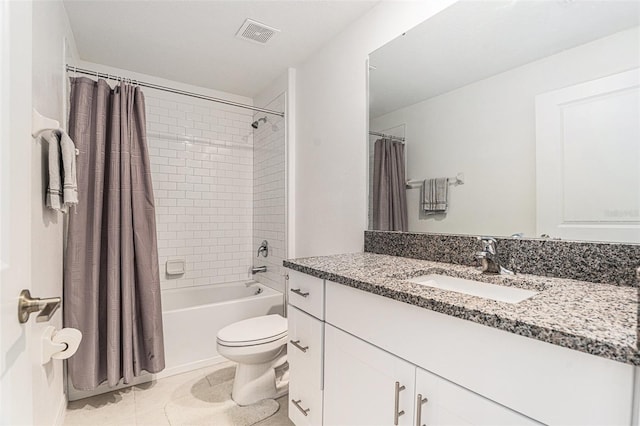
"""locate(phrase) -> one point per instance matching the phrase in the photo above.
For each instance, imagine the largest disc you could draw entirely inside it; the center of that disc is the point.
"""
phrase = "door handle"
(299, 292)
(28, 305)
(297, 344)
(304, 411)
(419, 401)
(397, 412)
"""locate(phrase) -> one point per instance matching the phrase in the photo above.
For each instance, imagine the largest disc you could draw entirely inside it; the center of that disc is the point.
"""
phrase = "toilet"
(259, 346)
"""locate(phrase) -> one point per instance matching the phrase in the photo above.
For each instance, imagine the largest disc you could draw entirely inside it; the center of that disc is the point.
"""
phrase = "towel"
(62, 190)
(435, 195)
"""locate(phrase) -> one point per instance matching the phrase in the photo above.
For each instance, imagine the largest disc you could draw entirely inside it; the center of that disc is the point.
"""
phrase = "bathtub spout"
(257, 269)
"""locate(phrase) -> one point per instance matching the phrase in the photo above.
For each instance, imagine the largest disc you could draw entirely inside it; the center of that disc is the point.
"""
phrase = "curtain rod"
(384, 135)
(171, 90)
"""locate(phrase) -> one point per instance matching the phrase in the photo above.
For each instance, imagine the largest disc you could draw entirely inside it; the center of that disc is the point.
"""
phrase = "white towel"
(62, 190)
(435, 195)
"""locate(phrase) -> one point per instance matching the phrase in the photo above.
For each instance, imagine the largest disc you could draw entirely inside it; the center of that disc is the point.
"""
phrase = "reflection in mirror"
(535, 103)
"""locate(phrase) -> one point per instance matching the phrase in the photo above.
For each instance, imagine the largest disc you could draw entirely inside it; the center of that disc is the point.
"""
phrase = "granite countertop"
(599, 319)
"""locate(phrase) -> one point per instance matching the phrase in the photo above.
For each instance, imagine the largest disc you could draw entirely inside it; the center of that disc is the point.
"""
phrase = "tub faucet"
(257, 269)
(489, 259)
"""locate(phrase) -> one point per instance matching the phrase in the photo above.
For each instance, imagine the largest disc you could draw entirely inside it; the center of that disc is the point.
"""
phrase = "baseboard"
(75, 394)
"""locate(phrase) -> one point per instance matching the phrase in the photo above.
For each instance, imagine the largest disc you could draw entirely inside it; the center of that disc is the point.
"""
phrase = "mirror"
(530, 108)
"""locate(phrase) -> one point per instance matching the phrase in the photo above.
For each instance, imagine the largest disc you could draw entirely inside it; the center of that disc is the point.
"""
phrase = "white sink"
(475, 288)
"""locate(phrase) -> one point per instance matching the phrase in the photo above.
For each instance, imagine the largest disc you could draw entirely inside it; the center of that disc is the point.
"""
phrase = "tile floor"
(144, 404)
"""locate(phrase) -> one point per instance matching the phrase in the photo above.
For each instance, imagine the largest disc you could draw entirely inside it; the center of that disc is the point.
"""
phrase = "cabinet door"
(306, 335)
(444, 403)
(360, 383)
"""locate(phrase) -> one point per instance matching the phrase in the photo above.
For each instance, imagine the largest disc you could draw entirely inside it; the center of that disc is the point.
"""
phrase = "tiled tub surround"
(599, 319)
(609, 263)
(201, 158)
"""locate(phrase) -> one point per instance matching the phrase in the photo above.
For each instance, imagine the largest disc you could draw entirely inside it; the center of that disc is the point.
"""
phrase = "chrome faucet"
(489, 259)
(263, 249)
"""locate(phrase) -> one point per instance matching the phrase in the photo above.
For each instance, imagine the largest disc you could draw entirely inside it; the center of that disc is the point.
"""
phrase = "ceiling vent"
(256, 32)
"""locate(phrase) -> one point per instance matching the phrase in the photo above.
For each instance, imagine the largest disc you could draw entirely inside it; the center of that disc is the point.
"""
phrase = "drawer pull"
(419, 402)
(397, 412)
(296, 343)
(299, 292)
(304, 411)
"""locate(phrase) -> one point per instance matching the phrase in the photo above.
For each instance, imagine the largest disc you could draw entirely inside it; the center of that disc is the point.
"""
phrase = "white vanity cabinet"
(365, 385)
(305, 349)
(470, 374)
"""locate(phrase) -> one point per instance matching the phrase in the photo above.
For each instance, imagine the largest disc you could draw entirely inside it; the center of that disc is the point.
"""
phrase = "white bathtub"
(191, 319)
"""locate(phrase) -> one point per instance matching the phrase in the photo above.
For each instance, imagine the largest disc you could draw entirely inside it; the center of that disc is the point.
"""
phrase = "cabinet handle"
(297, 345)
(304, 411)
(419, 401)
(299, 292)
(397, 412)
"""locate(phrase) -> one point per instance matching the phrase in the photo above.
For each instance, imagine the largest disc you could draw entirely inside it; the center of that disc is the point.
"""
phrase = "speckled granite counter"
(598, 319)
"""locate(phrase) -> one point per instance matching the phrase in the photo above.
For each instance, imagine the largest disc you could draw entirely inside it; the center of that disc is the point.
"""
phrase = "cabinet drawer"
(305, 402)
(306, 293)
(305, 348)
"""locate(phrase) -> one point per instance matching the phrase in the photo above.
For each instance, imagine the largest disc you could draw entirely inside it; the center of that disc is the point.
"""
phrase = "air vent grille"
(256, 32)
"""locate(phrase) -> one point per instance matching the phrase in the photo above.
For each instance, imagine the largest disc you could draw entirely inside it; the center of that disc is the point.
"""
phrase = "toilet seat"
(253, 331)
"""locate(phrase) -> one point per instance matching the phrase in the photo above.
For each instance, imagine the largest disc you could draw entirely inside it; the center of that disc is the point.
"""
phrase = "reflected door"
(588, 160)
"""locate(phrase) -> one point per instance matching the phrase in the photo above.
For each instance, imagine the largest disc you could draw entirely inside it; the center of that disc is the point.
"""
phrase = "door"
(362, 383)
(16, 402)
(444, 403)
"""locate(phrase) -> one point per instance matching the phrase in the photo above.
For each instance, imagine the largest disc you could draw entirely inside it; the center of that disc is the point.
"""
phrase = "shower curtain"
(112, 282)
(389, 187)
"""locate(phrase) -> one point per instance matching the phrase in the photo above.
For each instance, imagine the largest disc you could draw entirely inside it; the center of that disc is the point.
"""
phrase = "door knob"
(28, 305)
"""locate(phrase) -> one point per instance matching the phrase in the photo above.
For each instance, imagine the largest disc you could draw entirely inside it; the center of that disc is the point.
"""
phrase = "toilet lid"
(254, 331)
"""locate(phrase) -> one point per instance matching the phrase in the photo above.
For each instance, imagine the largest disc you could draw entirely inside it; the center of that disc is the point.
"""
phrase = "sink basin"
(475, 288)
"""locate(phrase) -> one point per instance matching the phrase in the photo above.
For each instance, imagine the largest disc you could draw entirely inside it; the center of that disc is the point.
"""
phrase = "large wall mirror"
(530, 108)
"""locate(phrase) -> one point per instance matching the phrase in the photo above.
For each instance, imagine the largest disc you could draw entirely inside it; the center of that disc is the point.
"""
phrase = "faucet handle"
(489, 244)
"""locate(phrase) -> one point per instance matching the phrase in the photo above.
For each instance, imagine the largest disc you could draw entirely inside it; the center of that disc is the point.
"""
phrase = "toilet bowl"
(259, 346)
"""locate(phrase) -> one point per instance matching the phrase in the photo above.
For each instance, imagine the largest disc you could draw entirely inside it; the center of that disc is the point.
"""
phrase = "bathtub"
(191, 318)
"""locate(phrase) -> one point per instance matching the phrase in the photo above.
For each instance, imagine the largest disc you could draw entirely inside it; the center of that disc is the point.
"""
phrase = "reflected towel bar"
(455, 181)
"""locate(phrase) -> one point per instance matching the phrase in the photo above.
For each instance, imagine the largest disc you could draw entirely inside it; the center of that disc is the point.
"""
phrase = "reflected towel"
(435, 195)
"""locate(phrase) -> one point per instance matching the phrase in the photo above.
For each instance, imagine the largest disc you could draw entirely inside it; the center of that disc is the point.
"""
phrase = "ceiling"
(194, 41)
(473, 40)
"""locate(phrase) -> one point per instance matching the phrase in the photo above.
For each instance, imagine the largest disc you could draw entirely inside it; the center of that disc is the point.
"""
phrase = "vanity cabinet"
(305, 348)
(469, 373)
(365, 385)
(548, 383)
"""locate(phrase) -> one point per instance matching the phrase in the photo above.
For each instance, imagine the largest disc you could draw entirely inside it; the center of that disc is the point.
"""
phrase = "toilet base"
(255, 382)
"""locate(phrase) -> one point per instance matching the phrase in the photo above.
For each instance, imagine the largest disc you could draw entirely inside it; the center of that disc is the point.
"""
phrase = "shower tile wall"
(203, 190)
(269, 194)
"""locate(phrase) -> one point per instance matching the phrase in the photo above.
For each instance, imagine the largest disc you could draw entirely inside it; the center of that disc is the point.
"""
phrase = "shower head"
(256, 123)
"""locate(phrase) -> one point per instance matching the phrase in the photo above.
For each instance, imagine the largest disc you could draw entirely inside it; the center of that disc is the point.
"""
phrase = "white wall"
(51, 38)
(201, 156)
(331, 130)
(269, 202)
(486, 130)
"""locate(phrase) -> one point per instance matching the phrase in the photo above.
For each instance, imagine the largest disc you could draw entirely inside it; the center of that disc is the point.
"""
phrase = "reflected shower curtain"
(389, 187)
(112, 282)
